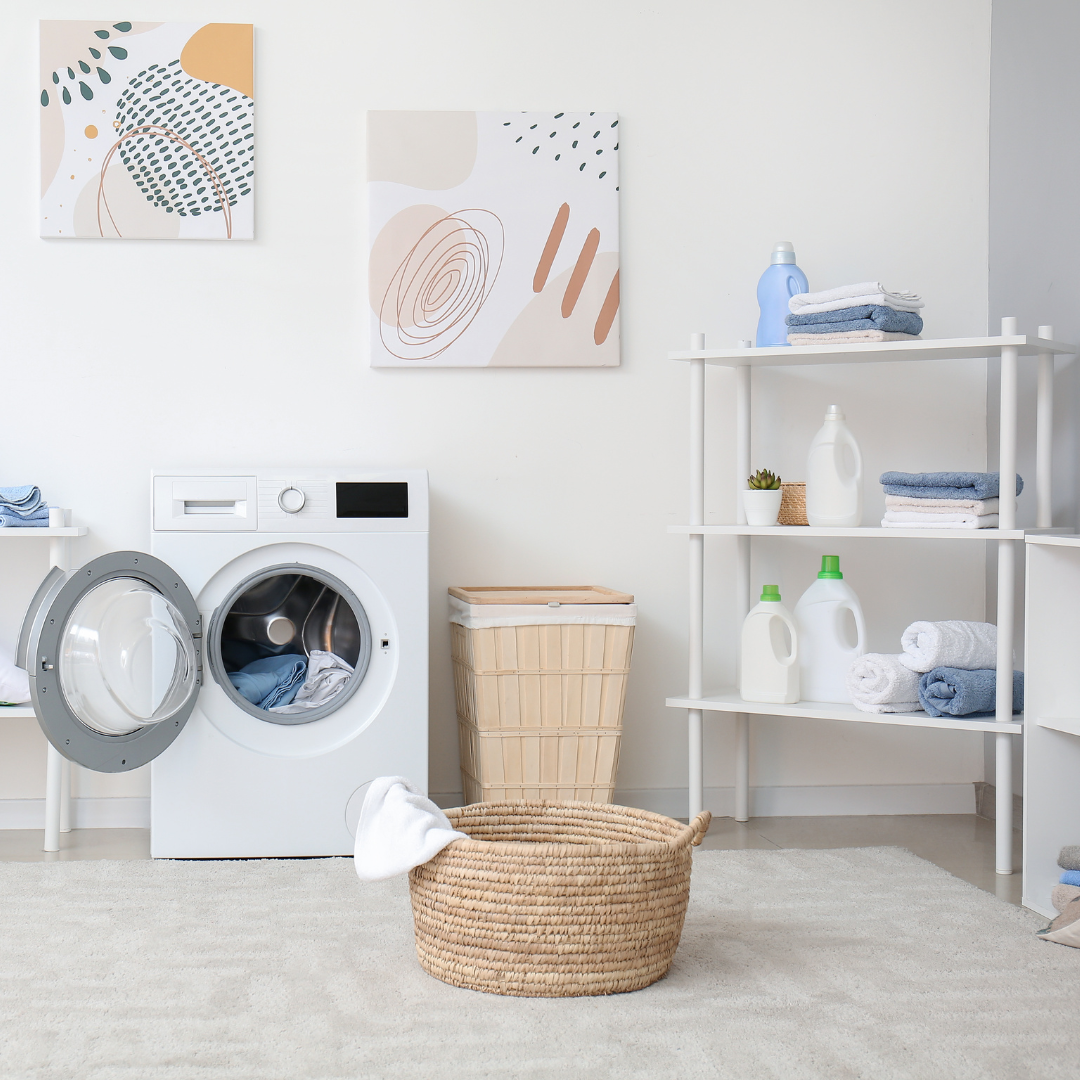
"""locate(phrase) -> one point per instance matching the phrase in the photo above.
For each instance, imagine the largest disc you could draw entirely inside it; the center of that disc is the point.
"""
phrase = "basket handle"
(700, 825)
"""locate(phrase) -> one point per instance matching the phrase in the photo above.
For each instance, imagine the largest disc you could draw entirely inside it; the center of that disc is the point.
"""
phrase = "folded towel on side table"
(864, 317)
(950, 691)
(879, 683)
(1070, 877)
(37, 519)
(398, 829)
(865, 292)
(847, 337)
(953, 643)
(900, 519)
(944, 485)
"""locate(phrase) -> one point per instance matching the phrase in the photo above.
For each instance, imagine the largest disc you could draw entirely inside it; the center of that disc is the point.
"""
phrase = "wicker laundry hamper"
(554, 899)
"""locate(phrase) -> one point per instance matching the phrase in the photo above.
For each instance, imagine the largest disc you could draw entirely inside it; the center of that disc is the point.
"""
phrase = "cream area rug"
(857, 963)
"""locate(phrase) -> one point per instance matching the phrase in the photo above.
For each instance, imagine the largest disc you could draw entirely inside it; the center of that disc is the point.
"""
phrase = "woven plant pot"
(793, 504)
(554, 899)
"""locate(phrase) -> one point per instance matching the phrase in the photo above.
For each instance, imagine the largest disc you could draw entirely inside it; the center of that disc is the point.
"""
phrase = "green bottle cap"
(771, 592)
(830, 567)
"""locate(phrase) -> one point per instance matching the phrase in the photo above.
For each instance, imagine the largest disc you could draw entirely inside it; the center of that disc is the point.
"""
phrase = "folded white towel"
(398, 829)
(14, 682)
(847, 337)
(979, 507)
(879, 683)
(327, 676)
(953, 643)
(845, 296)
(895, 519)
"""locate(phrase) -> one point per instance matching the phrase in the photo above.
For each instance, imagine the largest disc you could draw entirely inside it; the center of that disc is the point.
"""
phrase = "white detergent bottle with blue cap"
(780, 282)
(768, 663)
(823, 617)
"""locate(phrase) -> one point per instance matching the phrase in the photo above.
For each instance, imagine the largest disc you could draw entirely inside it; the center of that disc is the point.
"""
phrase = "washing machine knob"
(291, 500)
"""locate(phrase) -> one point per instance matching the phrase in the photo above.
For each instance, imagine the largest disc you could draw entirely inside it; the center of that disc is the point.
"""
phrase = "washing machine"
(137, 657)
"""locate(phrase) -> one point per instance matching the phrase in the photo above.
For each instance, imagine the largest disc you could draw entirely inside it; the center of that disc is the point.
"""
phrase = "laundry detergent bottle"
(768, 669)
(834, 475)
(780, 282)
(825, 648)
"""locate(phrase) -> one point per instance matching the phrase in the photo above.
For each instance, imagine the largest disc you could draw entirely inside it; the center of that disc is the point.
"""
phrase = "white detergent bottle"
(825, 648)
(768, 669)
(834, 475)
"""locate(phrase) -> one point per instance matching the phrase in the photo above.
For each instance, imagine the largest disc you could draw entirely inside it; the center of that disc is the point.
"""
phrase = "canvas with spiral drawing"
(494, 239)
(147, 130)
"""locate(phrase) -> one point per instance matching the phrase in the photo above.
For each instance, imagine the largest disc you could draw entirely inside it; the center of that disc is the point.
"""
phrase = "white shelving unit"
(58, 768)
(1009, 346)
(1052, 693)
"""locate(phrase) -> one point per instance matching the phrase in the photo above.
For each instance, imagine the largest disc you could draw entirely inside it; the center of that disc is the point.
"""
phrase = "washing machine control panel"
(390, 501)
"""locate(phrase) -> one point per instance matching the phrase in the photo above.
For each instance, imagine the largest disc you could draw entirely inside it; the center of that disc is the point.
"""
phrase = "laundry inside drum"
(290, 646)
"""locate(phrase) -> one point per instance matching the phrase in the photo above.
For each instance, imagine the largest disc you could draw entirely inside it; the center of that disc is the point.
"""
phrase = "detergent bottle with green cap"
(832, 633)
(769, 660)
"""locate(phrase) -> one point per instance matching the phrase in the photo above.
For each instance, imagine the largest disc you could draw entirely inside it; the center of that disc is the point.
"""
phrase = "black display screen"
(387, 500)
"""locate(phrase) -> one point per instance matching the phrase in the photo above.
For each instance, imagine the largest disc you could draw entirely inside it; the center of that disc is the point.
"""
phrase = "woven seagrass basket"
(793, 504)
(554, 899)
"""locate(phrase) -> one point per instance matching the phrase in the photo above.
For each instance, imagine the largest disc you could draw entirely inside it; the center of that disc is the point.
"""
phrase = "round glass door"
(125, 657)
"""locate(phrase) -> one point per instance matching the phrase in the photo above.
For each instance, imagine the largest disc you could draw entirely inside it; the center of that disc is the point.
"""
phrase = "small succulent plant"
(763, 480)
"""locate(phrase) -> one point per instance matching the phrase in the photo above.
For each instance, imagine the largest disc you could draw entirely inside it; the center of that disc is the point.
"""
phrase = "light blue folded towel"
(864, 317)
(948, 691)
(1070, 877)
(945, 485)
(12, 520)
(273, 680)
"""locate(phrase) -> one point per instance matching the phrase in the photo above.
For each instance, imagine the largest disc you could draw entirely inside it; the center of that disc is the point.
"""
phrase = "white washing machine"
(136, 658)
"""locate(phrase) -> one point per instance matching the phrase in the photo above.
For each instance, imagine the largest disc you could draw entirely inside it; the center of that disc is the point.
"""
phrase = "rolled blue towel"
(948, 691)
(1070, 877)
(273, 680)
(945, 485)
(864, 317)
(10, 519)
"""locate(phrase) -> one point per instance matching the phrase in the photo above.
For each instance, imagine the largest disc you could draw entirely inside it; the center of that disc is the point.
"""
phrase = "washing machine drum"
(113, 655)
(284, 626)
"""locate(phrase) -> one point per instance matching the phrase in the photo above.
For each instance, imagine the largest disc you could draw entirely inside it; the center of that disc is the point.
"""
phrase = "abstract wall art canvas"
(494, 239)
(147, 130)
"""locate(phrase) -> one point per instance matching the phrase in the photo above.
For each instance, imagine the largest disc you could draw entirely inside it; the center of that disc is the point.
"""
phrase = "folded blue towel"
(12, 519)
(945, 485)
(1070, 877)
(273, 680)
(864, 317)
(948, 691)
(25, 499)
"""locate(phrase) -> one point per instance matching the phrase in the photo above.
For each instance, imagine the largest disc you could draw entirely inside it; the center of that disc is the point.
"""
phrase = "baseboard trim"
(88, 813)
(838, 800)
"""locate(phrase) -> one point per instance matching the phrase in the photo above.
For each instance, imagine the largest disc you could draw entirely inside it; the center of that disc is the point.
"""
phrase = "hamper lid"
(539, 594)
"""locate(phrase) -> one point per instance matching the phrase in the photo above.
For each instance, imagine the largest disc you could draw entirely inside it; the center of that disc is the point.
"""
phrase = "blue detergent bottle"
(778, 284)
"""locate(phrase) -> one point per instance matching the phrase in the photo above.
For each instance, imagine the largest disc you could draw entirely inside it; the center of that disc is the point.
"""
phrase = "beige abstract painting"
(494, 239)
(147, 130)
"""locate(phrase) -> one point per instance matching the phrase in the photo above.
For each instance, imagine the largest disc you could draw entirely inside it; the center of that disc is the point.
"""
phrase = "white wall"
(1035, 230)
(862, 140)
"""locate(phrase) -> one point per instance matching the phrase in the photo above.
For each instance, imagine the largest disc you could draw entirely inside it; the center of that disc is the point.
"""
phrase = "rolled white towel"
(953, 643)
(879, 683)
(14, 682)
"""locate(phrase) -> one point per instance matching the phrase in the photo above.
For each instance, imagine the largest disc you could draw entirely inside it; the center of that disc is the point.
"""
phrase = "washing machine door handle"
(113, 652)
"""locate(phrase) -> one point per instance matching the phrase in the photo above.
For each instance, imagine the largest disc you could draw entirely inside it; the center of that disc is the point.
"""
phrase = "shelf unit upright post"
(1009, 346)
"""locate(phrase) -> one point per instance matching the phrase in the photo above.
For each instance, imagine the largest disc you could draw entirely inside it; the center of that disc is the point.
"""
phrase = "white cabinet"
(1010, 347)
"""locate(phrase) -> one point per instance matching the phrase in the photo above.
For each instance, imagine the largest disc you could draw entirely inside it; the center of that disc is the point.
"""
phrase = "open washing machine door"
(113, 651)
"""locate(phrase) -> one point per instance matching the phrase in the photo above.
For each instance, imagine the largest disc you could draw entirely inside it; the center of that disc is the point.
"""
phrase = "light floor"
(963, 844)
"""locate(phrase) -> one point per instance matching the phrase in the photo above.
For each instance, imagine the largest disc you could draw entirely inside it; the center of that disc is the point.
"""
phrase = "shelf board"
(17, 712)
(36, 533)
(895, 534)
(1069, 724)
(877, 352)
(1056, 539)
(827, 710)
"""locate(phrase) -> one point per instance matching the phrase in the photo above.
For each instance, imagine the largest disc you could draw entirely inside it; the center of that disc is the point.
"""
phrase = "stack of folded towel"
(1069, 888)
(863, 312)
(22, 507)
(944, 500)
(946, 669)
